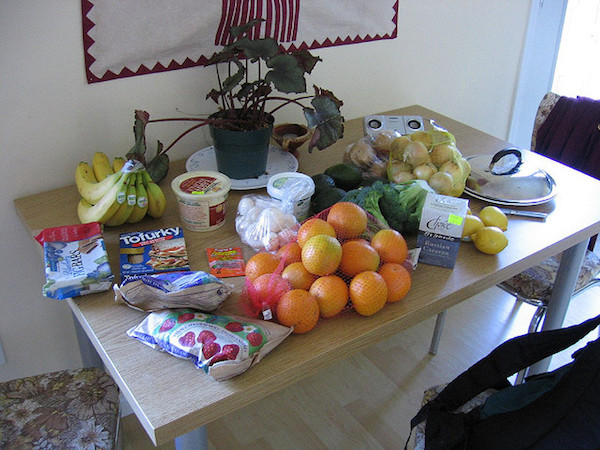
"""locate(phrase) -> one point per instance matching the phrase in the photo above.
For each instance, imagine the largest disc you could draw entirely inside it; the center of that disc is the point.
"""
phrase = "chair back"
(568, 130)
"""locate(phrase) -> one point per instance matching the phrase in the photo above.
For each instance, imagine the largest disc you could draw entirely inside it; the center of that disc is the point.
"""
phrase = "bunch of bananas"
(117, 193)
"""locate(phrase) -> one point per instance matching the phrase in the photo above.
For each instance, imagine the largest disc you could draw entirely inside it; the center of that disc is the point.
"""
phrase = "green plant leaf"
(159, 166)
(306, 60)
(258, 49)
(139, 131)
(327, 121)
(233, 80)
(256, 89)
(239, 30)
(286, 74)
(226, 55)
(215, 95)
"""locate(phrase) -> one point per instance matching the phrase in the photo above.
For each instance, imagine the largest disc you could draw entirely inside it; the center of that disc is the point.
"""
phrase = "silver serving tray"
(526, 185)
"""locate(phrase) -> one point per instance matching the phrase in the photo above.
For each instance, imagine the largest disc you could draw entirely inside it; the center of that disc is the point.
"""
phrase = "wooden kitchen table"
(172, 398)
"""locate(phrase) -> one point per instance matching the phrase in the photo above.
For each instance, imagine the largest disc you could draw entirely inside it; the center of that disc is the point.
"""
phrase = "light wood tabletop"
(171, 397)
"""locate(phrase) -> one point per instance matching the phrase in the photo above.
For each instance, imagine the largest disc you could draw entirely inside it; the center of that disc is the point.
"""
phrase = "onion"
(465, 167)
(424, 171)
(442, 153)
(423, 137)
(397, 147)
(454, 170)
(394, 167)
(416, 154)
(441, 182)
(402, 177)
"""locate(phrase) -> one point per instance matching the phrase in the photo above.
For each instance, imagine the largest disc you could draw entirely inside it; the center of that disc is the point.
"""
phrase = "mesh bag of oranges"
(342, 259)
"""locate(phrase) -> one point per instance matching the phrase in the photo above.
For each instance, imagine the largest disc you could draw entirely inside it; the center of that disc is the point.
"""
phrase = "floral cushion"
(546, 105)
(60, 410)
(433, 392)
(536, 282)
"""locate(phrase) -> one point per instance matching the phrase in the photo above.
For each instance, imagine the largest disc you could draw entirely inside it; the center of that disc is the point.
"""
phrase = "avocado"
(326, 198)
(322, 182)
(346, 176)
(368, 181)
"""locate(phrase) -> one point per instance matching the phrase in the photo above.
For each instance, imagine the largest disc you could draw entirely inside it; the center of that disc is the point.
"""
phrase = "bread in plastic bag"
(370, 153)
(152, 292)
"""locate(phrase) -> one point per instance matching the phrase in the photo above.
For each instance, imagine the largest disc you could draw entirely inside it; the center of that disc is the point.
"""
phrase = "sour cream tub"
(202, 199)
(294, 190)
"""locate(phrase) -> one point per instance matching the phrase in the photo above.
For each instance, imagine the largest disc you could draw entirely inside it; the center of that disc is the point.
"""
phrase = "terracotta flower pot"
(290, 136)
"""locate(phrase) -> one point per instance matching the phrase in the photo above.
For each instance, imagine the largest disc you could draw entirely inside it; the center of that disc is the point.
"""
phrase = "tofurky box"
(152, 251)
(440, 229)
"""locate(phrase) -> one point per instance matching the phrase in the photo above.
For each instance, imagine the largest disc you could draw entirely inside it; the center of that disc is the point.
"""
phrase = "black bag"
(555, 410)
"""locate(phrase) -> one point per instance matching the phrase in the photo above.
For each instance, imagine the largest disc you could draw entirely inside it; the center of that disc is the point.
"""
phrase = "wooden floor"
(367, 400)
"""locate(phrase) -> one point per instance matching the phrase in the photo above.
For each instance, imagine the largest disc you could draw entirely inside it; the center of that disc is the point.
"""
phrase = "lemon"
(492, 216)
(490, 240)
(472, 224)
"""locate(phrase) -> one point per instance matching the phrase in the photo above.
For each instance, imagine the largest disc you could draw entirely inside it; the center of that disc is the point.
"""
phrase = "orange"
(357, 257)
(390, 245)
(266, 290)
(299, 309)
(321, 255)
(398, 281)
(348, 219)
(261, 263)
(368, 293)
(290, 253)
(331, 293)
(298, 277)
(313, 227)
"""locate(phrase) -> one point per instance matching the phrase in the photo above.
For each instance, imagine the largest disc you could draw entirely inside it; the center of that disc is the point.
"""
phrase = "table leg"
(194, 440)
(437, 332)
(562, 291)
(89, 356)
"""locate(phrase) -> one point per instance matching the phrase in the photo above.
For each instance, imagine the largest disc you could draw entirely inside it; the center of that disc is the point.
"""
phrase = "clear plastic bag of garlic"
(263, 225)
(431, 156)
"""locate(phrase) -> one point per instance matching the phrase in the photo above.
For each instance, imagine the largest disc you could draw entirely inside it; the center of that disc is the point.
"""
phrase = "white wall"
(459, 58)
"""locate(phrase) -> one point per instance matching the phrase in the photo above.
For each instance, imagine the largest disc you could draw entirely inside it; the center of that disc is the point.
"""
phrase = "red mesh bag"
(345, 243)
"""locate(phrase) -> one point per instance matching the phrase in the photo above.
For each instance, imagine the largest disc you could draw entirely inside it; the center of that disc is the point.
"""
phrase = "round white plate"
(277, 161)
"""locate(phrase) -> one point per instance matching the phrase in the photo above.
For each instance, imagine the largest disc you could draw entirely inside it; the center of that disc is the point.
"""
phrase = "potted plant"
(257, 73)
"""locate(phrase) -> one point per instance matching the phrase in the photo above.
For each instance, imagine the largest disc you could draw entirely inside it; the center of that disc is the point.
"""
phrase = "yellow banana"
(118, 163)
(101, 165)
(106, 207)
(157, 202)
(88, 187)
(126, 207)
(141, 206)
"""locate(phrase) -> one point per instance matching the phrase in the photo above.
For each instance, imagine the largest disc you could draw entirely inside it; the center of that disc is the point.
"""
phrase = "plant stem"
(286, 101)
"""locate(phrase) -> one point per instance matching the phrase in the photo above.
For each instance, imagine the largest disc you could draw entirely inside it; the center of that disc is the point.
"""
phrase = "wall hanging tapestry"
(137, 37)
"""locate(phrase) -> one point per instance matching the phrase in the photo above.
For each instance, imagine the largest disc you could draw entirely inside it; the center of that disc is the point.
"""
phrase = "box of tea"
(440, 229)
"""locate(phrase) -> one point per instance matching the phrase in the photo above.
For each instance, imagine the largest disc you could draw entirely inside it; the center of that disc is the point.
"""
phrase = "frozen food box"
(440, 229)
(76, 262)
(152, 251)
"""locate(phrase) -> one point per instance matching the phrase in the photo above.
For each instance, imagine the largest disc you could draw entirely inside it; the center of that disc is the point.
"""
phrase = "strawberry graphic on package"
(223, 346)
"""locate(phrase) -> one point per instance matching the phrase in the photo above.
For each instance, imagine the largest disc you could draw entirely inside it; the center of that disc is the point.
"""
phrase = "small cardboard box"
(152, 251)
(440, 229)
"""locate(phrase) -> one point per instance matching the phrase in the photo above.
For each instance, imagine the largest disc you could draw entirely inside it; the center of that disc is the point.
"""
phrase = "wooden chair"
(534, 285)
(67, 409)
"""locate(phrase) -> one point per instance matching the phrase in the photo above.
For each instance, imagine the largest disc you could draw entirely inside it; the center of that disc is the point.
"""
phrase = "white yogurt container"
(202, 199)
(294, 191)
